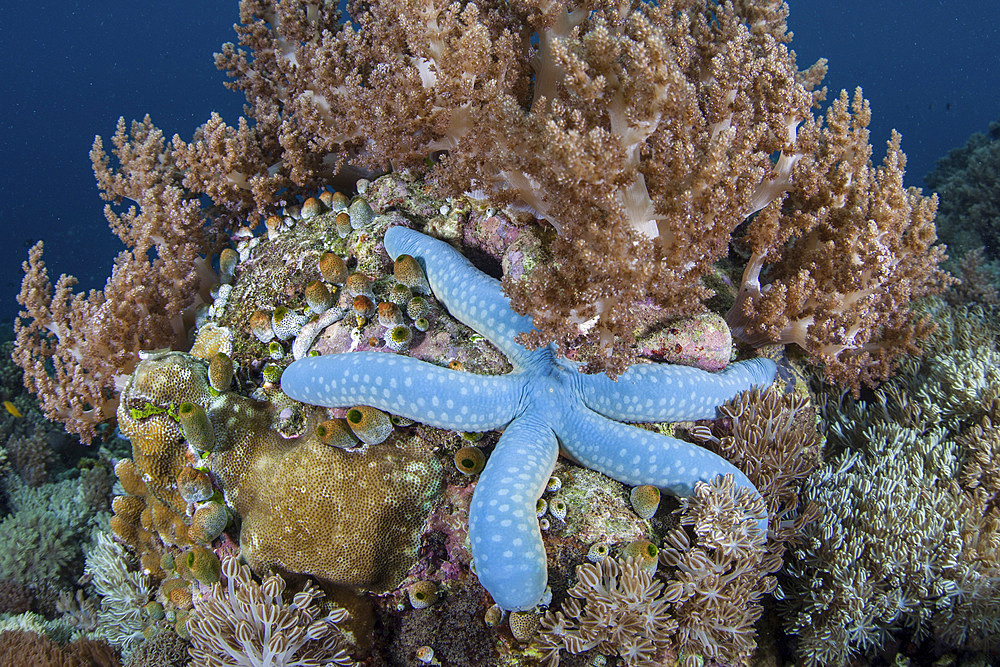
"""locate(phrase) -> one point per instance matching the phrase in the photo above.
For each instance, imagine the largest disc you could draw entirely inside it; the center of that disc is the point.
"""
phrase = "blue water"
(68, 71)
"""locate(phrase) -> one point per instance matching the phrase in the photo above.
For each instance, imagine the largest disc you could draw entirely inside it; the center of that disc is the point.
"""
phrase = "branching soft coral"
(835, 265)
(74, 347)
(642, 132)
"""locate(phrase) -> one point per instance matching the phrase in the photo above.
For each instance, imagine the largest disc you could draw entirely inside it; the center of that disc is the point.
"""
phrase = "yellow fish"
(12, 409)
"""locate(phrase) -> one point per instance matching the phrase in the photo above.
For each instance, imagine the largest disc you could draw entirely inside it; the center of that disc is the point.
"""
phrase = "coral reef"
(583, 167)
(640, 132)
(543, 404)
(966, 181)
(169, 480)
(705, 598)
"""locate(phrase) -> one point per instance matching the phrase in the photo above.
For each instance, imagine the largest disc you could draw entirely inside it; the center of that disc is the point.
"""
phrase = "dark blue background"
(69, 70)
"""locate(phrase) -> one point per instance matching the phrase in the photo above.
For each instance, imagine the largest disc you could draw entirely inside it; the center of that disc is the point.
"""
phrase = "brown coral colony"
(640, 133)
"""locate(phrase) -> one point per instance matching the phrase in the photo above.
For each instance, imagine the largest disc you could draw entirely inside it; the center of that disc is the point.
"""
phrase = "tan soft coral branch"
(835, 264)
(76, 348)
(647, 142)
(55, 352)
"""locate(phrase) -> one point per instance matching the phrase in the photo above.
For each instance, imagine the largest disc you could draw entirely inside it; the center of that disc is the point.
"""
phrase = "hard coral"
(544, 405)
(454, 628)
(350, 517)
(155, 512)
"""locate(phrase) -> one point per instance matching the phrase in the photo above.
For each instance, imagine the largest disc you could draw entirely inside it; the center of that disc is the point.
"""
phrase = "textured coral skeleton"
(544, 404)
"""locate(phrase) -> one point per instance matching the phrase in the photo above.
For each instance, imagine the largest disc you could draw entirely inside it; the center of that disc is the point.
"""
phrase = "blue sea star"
(545, 403)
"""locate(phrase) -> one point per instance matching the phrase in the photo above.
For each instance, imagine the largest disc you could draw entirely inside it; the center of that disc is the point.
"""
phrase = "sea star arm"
(503, 528)
(405, 386)
(668, 393)
(471, 296)
(635, 456)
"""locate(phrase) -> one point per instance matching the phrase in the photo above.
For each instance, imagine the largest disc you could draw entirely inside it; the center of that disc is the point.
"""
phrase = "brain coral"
(350, 517)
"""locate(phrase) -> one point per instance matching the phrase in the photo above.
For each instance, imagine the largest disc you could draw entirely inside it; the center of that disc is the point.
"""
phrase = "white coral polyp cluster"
(615, 607)
(243, 623)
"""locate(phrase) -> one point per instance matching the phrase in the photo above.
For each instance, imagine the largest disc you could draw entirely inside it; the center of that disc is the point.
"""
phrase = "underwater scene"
(512, 333)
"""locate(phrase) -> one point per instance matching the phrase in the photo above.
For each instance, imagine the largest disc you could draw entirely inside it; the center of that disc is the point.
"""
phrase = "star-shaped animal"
(543, 405)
